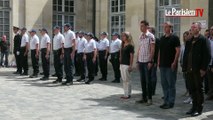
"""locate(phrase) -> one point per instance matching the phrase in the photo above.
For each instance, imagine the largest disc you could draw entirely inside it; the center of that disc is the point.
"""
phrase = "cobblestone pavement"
(23, 98)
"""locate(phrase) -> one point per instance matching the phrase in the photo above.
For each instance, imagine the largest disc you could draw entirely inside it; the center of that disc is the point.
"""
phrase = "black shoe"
(88, 82)
(44, 78)
(67, 83)
(76, 74)
(161, 106)
(194, 114)
(166, 106)
(57, 81)
(141, 101)
(115, 81)
(103, 79)
(54, 75)
(24, 74)
(100, 79)
(81, 79)
(190, 112)
(17, 72)
(33, 76)
(42, 73)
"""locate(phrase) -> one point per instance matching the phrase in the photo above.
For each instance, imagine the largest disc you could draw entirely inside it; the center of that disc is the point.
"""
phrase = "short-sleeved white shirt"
(145, 41)
(24, 40)
(81, 45)
(90, 46)
(103, 44)
(44, 40)
(76, 42)
(57, 41)
(115, 45)
(34, 40)
(69, 37)
(211, 48)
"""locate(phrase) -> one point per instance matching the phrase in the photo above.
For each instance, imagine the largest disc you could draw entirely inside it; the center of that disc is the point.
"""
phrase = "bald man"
(195, 62)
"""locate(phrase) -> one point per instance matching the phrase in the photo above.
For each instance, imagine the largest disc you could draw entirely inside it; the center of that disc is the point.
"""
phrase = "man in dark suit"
(16, 49)
(195, 62)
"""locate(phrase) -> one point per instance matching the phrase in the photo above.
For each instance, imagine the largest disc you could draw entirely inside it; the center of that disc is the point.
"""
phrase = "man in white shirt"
(103, 50)
(80, 53)
(76, 62)
(24, 51)
(34, 47)
(115, 47)
(69, 53)
(45, 53)
(90, 54)
(58, 51)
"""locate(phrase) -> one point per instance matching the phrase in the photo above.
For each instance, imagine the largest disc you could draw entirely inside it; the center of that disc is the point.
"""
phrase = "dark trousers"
(81, 64)
(18, 62)
(116, 65)
(96, 66)
(146, 83)
(196, 89)
(103, 63)
(90, 66)
(58, 63)
(45, 62)
(206, 84)
(4, 54)
(34, 62)
(68, 64)
(154, 78)
(76, 63)
(24, 60)
(210, 81)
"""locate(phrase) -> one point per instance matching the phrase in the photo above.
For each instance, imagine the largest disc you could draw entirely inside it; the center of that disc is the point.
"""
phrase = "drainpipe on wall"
(144, 9)
(94, 17)
(210, 14)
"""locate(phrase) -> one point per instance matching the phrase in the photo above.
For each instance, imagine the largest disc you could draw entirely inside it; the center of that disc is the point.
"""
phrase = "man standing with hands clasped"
(195, 62)
(16, 50)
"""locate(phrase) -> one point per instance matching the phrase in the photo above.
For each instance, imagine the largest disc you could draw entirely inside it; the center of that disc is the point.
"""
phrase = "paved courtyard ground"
(23, 98)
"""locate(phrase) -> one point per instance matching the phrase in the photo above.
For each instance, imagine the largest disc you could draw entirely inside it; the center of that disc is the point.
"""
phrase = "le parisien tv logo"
(174, 12)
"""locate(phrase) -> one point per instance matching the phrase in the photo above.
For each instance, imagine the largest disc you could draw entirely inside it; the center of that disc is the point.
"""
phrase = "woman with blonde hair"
(126, 62)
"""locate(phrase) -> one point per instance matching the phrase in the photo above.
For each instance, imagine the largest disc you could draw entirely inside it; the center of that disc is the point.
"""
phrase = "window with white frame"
(117, 15)
(63, 12)
(5, 18)
(166, 5)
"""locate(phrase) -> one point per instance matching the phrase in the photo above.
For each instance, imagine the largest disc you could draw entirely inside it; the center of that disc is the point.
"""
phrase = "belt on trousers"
(43, 49)
(68, 48)
(102, 51)
(89, 53)
(115, 53)
(23, 47)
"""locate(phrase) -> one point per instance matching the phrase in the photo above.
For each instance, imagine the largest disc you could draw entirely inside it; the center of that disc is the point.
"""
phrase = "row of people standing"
(23, 44)
(196, 59)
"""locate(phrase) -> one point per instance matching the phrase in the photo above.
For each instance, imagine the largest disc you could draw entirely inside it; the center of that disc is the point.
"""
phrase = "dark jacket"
(200, 54)
(157, 43)
(17, 43)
